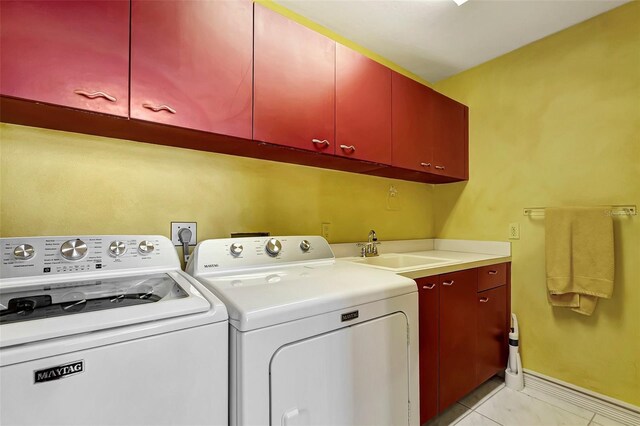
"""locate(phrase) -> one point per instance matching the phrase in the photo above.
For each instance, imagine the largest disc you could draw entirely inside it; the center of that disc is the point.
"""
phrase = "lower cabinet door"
(458, 332)
(492, 328)
(428, 289)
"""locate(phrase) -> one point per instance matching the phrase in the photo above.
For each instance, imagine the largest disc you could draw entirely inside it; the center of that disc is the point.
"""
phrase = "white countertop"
(456, 254)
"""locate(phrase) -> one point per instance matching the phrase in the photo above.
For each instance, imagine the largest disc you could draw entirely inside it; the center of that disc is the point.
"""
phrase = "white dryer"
(107, 330)
(313, 341)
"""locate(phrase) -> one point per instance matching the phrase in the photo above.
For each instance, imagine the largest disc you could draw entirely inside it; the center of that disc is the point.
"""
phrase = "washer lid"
(46, 310)
(274, 296)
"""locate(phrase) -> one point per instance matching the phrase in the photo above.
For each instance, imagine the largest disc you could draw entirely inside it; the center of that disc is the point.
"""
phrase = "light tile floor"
(492, 404)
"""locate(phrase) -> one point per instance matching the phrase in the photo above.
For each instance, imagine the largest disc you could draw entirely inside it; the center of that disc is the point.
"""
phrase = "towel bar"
(624, 210)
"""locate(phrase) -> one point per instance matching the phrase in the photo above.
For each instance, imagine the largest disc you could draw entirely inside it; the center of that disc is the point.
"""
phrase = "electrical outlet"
(177, 226)
(514, 231)
(326, 230)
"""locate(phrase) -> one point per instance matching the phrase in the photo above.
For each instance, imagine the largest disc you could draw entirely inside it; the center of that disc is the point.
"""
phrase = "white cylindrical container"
(513, 375)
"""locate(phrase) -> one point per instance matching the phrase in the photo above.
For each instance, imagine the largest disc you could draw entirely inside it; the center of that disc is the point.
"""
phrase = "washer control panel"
(242, 253)
(40, 256)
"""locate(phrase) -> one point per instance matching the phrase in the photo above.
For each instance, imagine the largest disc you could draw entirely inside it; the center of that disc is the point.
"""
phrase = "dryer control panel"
(223, 255)
(40, 256)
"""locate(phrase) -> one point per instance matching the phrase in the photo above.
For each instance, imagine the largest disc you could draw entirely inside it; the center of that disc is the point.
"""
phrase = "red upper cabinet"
(450, 137)
(411, 114)
(294, 84)
(191, 64)
(363, 107)
(71, 53)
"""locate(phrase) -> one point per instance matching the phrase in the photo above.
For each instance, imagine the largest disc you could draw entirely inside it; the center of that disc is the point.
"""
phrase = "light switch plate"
(177, 226)
(514, 231)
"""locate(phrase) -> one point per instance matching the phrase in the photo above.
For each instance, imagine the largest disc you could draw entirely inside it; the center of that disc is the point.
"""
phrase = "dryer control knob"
(236, 249)
(273, 247)
(305, 245)
(117, 248)
(73, 249)
(146, 247)
(24, 252)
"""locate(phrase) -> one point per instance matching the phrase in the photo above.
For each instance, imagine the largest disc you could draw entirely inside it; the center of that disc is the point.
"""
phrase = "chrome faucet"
(370, 248)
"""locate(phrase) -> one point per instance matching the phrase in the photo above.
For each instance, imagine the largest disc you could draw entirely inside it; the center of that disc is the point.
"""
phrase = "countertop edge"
(429, 272)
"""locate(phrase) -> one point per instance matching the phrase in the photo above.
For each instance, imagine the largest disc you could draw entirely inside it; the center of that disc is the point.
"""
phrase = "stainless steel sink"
(403, 261)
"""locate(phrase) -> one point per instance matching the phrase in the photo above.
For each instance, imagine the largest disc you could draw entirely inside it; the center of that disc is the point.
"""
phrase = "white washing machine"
(313, 341)
(107, 330)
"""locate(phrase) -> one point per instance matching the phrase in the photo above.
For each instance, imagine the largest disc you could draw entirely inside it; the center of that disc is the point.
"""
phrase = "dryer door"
(357, 375)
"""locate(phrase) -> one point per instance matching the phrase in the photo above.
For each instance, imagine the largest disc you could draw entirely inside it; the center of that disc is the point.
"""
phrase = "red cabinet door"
(458, 333)
(492, 331)
(411, 132)
(71, 53)
(450, 137)
(294, 84)
(363, 107)
(191, 64)
(428, 290)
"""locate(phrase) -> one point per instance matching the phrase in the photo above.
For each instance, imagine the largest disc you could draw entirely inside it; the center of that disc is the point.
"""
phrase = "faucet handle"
(375, 248)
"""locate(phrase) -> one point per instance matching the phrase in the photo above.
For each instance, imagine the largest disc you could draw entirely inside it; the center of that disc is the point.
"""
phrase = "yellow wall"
(66, 183)
(552, 124)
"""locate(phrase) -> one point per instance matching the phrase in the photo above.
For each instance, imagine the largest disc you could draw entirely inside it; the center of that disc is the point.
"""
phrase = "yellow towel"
(579, 256)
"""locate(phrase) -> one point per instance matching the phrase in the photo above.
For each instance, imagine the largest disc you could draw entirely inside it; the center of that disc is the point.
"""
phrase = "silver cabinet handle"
(158, 108)
(484, 299)
(320, 142)
(93, 95)
(448, 282)
(425, 164)
(440, 167)
(492, 272)
(350, 147)
(428, 287)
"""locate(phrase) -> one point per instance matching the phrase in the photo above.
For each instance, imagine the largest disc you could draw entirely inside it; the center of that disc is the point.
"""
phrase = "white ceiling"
(436, 38)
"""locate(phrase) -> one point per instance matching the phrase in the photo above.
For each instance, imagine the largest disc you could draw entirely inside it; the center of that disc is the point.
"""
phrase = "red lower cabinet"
(463, 335)
(429, 302)
(491, 317)
(458, 331)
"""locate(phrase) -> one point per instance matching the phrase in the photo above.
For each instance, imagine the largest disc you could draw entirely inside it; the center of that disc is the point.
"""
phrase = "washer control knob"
(305, 245)
(117, 248)
(73, 249)
(236, 249)
(24, 252)
(273, 247)
(146, 247)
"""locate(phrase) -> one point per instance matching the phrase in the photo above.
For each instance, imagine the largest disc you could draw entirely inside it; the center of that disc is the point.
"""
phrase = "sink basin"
(403, 261)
